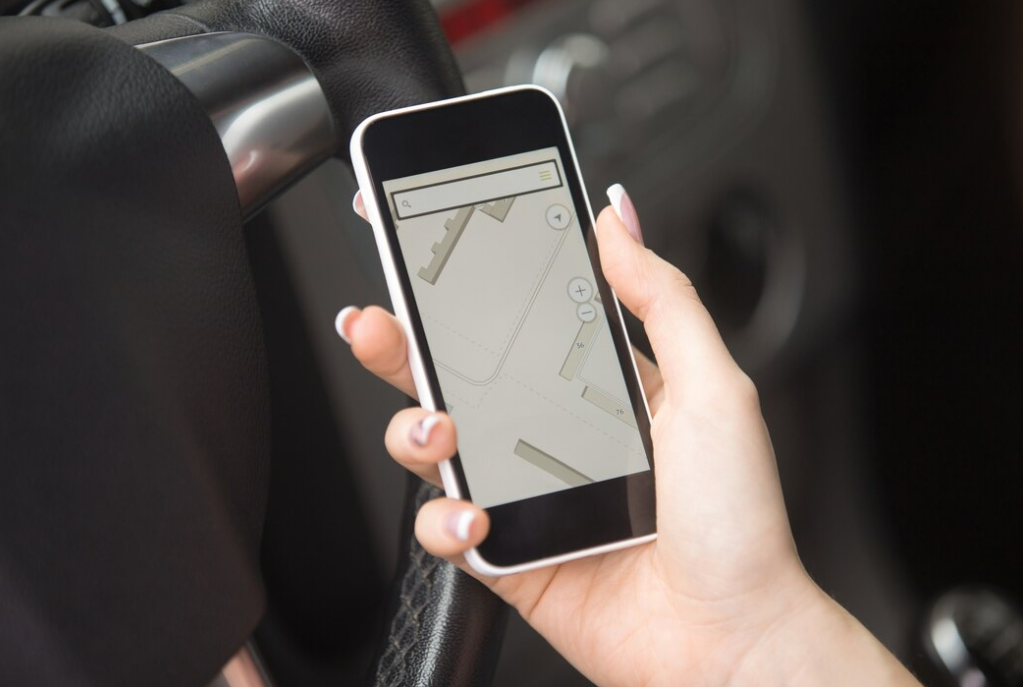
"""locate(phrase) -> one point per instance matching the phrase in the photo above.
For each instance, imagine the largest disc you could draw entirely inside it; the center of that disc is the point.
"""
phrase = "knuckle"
(392, 363)
(657, 429)
(384, 358)
(745, 391)
(679, 282)
(672, 286)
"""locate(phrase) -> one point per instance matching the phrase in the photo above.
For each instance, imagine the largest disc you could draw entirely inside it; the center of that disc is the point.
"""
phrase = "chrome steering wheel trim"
(272, 115)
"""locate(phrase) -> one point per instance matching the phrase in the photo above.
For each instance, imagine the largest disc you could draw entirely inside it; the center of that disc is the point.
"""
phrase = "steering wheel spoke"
(134, 375)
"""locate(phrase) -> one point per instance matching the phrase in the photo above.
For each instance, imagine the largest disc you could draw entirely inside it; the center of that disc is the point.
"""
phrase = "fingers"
(681, 331)
(650, 376)
(359, 206)
(378, 342)
(449, 527)
(419, 440)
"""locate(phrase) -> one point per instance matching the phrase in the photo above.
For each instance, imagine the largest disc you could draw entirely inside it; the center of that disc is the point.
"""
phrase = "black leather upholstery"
(134, 443)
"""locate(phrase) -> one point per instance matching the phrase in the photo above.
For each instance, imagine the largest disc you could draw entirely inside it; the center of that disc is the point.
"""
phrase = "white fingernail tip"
(339, 322)
(426, 425)
(615, 193)
(461, 525)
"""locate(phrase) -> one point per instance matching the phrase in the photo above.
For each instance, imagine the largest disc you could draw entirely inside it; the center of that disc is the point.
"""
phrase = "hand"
(721, 597)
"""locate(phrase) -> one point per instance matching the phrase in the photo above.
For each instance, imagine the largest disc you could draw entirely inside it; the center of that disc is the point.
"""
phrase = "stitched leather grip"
(444, 627)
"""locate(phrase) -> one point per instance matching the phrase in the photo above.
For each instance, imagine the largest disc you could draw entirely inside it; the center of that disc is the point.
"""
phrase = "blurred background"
(842, 180)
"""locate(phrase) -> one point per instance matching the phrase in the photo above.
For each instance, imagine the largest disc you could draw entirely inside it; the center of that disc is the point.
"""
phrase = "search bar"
(482, 188)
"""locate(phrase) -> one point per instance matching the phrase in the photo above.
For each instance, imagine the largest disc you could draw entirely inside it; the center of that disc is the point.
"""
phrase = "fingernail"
(625, 210)
(459, 524)
(355, 202)
(422, 429)
(342, 319)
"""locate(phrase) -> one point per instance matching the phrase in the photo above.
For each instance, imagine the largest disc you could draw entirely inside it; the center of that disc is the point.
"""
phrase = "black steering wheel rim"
(177, 353)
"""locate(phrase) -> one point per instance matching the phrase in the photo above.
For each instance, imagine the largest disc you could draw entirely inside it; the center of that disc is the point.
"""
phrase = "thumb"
(684, 338)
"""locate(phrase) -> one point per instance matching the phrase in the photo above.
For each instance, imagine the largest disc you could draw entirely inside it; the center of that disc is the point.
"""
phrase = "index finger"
(378, 342)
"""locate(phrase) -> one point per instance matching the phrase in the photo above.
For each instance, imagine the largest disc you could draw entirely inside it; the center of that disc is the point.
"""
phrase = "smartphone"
(487, 241)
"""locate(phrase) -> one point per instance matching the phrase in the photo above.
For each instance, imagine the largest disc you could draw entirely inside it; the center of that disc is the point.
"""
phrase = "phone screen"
(516, 326)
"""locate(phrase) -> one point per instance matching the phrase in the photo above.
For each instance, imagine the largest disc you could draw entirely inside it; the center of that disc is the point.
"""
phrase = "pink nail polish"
(421, 431)
(626, 211)
(459, 524)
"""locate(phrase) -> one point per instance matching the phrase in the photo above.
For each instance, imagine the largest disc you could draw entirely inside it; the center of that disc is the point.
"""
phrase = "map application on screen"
(515, 324)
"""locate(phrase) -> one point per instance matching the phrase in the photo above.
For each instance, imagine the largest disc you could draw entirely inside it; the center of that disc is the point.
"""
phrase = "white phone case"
(416, 363)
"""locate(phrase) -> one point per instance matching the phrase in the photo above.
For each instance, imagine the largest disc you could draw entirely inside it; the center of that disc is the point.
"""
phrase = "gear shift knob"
(973, 637)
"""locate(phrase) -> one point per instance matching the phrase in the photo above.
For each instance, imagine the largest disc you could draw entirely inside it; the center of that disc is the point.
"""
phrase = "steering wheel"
(134, 404)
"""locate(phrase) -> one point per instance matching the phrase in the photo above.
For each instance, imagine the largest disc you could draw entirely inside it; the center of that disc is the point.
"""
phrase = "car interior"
(842, 181)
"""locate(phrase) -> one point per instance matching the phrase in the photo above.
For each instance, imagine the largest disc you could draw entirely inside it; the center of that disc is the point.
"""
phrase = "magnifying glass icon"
(406, 204)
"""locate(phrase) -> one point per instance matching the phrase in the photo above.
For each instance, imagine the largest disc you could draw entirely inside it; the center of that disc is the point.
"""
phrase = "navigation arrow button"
(558, 216)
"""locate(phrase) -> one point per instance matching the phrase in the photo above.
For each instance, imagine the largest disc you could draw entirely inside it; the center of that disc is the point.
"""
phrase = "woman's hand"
(721, 597)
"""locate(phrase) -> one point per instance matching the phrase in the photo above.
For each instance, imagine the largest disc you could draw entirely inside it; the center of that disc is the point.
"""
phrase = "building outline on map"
(497, 329)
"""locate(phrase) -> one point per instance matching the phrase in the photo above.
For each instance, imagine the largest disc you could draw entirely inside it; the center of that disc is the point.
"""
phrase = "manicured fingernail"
(342, 319)
(459, 524)
(422, 429)
(625, 210)
(356, 202)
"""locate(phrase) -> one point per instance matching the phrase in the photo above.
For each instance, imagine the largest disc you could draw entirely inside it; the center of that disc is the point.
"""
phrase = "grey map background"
(526, 366)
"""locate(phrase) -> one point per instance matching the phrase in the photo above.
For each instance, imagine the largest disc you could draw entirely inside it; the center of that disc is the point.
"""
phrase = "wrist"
(816, 642)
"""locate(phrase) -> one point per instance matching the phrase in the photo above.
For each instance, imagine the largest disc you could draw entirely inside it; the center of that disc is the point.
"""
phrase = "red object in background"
(472, 17)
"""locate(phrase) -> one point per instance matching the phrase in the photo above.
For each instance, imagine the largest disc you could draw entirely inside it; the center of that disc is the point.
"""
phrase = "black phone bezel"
(469, 131)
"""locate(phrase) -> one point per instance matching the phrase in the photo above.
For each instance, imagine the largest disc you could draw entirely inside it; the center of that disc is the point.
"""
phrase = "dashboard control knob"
(574, 68)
